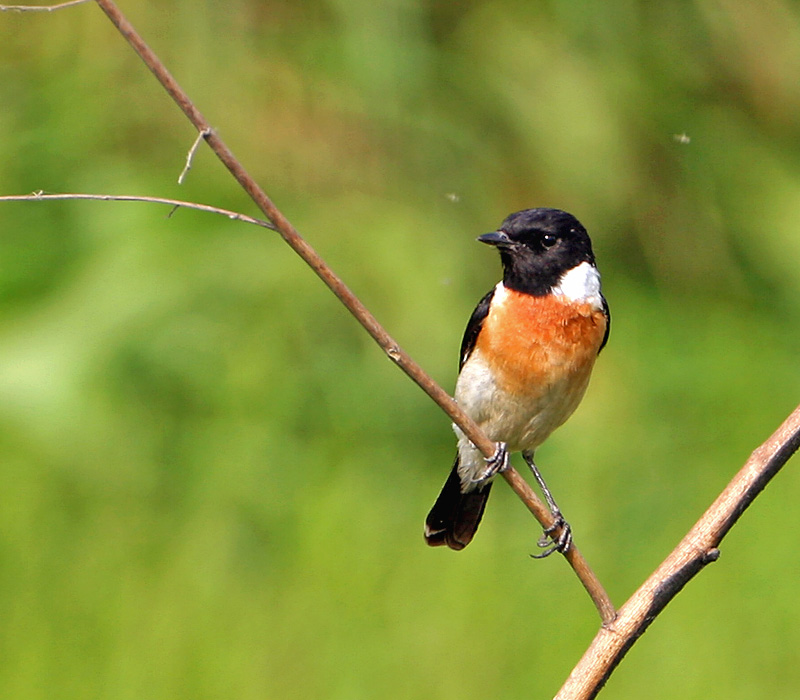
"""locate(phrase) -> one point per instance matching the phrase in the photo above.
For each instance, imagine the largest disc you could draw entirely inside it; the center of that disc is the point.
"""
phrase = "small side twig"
(190, 155)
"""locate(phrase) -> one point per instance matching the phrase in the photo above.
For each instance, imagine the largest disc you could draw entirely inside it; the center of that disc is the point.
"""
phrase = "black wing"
(474, 327)
(608, 323)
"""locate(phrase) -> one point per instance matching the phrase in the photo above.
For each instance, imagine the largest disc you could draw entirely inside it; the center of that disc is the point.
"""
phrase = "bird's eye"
(549, 240)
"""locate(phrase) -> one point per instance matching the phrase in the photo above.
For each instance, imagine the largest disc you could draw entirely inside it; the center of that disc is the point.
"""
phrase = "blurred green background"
(214, 483)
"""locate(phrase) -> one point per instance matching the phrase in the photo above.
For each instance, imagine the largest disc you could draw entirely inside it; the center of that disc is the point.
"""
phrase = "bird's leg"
(564, 540)
(495, 464)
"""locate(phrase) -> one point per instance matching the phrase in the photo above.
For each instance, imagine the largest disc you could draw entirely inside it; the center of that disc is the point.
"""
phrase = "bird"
(526, 358)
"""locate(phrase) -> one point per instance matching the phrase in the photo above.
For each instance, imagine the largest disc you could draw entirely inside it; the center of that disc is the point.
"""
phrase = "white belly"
(522, 424)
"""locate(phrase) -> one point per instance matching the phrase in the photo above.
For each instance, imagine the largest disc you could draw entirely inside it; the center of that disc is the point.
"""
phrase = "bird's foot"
(495, 464)
(561, 543)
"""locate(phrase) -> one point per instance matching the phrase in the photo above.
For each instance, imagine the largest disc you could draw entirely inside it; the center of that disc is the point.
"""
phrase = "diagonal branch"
(695, 550)
(353, 303)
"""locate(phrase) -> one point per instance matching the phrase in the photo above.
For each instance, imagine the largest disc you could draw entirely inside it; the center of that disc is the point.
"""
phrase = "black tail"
(455, 516)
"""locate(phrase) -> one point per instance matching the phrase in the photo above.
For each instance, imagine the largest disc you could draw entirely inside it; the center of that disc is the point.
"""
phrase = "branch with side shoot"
(353, 303)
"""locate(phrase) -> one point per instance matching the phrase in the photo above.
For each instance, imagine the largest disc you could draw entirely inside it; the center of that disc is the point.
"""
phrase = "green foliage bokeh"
(213, 481)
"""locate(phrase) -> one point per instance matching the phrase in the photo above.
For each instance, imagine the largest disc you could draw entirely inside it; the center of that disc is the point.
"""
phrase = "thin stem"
(40, 8)
(353, 304)
(175, 203)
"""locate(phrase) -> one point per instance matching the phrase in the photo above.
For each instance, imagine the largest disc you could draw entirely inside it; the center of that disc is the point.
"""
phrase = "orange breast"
(532, 343)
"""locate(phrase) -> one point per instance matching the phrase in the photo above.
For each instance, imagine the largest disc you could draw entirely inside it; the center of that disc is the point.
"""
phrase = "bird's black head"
(537, 246)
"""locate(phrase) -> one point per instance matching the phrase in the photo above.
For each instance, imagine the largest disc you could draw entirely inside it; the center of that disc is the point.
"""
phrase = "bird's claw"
(495, 464)
(561, 544)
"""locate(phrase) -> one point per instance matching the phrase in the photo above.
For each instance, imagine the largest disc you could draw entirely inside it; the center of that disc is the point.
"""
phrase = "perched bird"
(526, 357)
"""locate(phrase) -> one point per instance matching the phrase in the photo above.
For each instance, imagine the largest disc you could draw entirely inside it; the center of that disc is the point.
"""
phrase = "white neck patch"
(581, 283)
(500, 293)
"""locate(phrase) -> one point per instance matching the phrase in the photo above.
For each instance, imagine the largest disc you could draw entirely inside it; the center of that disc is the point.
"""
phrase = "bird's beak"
(496, 238)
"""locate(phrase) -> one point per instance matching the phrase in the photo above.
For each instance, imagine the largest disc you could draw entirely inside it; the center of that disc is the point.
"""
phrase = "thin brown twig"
(540, 511)
(40, 8)
(697, 549)
(174, 203)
